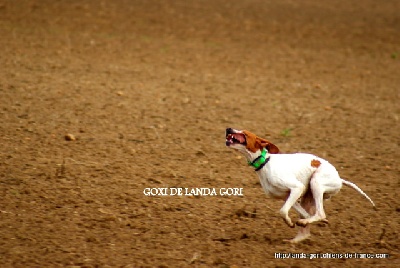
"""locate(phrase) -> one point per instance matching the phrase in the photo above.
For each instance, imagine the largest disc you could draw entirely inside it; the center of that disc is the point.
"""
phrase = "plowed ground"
(148, 87)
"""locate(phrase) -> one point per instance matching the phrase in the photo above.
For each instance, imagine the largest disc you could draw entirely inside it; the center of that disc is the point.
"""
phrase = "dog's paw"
(325, 221)
(289, 223)
(302, 222)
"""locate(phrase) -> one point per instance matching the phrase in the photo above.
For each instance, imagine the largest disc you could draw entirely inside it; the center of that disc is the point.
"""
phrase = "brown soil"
(144, 90)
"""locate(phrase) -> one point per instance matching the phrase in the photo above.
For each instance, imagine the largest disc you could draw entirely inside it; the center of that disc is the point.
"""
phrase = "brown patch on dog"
(254, 143)
(315, 163)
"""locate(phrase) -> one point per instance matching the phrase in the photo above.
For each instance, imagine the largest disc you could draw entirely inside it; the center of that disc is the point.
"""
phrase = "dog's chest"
(272, 189)
(286, 171)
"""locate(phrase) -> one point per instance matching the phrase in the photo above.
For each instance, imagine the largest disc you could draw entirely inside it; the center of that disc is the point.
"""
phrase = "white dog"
(291, 177)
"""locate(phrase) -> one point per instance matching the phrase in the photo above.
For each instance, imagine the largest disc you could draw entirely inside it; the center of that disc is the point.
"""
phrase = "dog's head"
(248, 142)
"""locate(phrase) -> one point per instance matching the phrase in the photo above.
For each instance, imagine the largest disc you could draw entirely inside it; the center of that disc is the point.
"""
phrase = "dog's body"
(291, 177)
(286, 171)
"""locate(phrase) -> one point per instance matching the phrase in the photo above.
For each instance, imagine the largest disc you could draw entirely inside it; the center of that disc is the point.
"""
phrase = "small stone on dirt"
(69, 137)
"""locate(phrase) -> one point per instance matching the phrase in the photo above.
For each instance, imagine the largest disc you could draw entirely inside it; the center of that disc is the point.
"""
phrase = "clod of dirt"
(200, 153)
(186, 100)
(243, 213)
(244, 236)
(195, 257)
(69, 137)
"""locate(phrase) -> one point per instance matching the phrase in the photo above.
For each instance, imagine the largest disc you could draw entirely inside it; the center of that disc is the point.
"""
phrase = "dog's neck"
(259, 159)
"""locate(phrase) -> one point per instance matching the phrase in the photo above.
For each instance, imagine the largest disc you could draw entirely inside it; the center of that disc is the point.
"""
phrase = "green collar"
(260, 161)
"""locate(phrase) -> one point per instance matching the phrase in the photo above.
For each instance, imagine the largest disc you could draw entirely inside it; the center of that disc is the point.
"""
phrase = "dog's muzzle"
(234, 137)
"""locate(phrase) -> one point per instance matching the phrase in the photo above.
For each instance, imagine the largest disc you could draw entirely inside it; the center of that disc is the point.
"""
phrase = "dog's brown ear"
(254, 143)
(272, 148)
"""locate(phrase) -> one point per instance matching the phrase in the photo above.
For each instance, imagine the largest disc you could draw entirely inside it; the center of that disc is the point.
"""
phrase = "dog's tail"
(355, 187)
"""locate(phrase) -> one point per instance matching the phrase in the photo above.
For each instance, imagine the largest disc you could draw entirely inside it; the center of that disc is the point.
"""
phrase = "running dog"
(302, 180)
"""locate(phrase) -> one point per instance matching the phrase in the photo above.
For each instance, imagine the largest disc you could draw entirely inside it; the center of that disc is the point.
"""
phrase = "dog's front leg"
(295, 193)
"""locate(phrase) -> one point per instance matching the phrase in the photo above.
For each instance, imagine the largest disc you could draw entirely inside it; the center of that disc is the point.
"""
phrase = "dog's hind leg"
(325, 182)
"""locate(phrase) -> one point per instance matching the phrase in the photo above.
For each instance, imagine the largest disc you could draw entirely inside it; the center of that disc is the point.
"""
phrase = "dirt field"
(148, 87)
